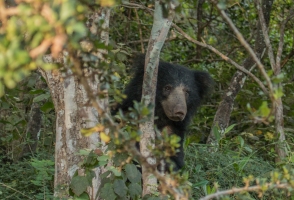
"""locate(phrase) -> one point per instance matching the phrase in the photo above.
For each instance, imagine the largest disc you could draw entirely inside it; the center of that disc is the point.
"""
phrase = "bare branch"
(281, 43)
(4, 185)
(256, 188)
(265, 35)
(288, 57)
(140, 31)
(251, 52)
(224, 57)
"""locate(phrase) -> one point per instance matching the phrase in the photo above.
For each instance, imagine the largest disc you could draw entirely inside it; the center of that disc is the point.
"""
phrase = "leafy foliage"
(246, 149)
(27, 179)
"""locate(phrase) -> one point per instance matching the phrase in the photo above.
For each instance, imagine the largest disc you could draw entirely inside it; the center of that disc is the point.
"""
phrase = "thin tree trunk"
(159, 32)
(34, 123)
(280, 147)
(276, 66)
(223, 113)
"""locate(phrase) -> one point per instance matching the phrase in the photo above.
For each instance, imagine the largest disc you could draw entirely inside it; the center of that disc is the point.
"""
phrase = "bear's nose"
(180, 114)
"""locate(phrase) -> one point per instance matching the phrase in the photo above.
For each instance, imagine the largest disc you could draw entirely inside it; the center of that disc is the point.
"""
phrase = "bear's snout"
(179, 112)
(175, 106)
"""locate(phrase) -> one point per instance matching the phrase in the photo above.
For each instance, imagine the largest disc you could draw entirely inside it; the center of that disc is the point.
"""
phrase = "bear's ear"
(139, 62)
(204, 82)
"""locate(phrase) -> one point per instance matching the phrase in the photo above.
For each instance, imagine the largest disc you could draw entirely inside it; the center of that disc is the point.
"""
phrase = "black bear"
(179, 93)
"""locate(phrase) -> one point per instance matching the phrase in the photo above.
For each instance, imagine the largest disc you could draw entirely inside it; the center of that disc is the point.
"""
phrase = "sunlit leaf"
(104, 137)
(107, 3)
(264, 109)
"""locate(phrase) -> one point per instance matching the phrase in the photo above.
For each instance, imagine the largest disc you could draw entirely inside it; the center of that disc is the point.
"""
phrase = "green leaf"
(248, 149)
(83, 152)
(149, 197)
(241, 140)
(114, 170)
(264, 109)
(41, 97)
(229, 128)
(103, 158)
(79, 184)
(278, 93)
(67, 10)
(37, 91)
(145, 111)
(119, 158)
(133, 173)
(135, 190)
(48, 106)
(216, 133)
(83, 196)
(201, 183)
(107, 192)
(120, 187)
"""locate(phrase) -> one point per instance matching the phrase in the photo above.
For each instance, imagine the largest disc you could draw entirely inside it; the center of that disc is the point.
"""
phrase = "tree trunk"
(223, 113)
(73, 113)
(280, 147)
(34, 124)
(159, 32)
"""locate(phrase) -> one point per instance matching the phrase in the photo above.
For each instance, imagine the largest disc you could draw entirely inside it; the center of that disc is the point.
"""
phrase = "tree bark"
(223, 113)
(159, 32)
(34, 124)
(73, 113)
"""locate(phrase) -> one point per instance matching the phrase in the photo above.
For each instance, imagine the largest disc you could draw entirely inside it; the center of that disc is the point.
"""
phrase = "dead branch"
(252, 54)
(281, 43)
(256, 188)
(140, 31)
(265, 35)
(224, 57)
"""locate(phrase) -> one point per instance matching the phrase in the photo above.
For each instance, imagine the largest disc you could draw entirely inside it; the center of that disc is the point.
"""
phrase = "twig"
(42, 48)
(252, 54)
(288, 57)
(256, 188)
(140, 31)
(147, 40)
(265, 35)
(134, 5)
(281, 43)
(4, 185)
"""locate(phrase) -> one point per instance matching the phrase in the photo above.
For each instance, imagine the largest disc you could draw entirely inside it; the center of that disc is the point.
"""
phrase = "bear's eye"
(167, 88)
(187, 92)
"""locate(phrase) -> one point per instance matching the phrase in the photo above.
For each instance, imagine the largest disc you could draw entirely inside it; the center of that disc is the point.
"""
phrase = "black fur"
(198, 84)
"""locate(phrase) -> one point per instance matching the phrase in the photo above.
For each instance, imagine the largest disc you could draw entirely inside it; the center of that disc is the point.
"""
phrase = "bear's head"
(180, 90)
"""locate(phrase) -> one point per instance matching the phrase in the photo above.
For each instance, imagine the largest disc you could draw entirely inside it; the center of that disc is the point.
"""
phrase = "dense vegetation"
(246, 149)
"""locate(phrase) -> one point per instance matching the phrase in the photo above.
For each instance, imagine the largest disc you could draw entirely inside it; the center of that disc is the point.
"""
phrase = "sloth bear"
(179, 93)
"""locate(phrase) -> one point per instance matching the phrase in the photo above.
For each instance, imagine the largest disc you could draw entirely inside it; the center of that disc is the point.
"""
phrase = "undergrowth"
(226, 168)
(27, 179)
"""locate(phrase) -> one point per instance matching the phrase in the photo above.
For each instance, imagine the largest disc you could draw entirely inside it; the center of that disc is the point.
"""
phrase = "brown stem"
(140, 31)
